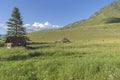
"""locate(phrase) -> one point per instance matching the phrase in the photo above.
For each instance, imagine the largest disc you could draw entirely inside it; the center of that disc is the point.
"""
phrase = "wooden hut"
(14, 41)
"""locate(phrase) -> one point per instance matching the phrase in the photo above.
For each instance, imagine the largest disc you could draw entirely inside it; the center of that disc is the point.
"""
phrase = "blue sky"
(40, 13)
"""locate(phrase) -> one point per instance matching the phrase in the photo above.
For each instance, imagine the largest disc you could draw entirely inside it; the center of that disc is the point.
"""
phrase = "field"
(83, 60)
(92, 54)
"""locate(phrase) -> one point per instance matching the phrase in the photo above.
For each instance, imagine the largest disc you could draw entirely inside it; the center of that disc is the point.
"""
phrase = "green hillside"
(104, 31)
(103, 24)
(108, 14)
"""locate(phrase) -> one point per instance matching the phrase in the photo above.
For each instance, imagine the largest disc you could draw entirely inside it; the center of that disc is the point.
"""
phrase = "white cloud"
(36, 26)
(3, 29)
(2, 26)
(47, 24)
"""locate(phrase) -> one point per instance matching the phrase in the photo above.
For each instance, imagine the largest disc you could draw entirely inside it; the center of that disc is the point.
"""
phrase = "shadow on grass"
(39, 54)
(37, 45)
(113, 20)
(22, 57)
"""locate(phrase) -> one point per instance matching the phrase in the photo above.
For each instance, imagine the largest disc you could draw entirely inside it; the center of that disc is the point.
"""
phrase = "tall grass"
(91, 60)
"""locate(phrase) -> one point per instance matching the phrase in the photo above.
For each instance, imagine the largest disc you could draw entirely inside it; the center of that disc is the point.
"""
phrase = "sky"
(49, 14)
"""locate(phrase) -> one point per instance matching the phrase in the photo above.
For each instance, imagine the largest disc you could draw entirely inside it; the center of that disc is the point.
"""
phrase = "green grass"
(80, 60)
(100, 32)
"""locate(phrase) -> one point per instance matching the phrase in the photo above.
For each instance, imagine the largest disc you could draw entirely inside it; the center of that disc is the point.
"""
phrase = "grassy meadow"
(92, 54)
(96, 32)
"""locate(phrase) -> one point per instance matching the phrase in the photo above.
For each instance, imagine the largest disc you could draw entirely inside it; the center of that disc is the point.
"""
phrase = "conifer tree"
(15, 24)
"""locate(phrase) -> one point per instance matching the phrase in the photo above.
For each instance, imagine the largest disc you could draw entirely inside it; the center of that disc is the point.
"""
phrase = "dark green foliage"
(113, 20)
(15, 24)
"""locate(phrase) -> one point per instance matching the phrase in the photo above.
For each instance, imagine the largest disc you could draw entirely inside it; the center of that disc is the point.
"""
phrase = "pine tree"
(15, 24)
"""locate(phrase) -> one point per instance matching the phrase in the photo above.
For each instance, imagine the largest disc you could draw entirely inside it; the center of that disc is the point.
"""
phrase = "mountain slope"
(96, 32)
(104, 24)
(108, 14)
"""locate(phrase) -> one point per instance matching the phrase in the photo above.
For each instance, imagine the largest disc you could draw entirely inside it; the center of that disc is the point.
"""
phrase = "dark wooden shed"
(14, 41)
